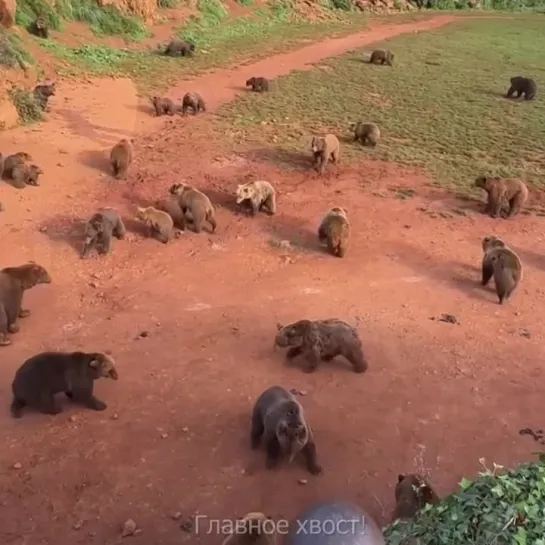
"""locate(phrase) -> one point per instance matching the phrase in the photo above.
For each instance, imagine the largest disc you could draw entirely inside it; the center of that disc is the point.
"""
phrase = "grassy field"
(440, 107)
(245, 38)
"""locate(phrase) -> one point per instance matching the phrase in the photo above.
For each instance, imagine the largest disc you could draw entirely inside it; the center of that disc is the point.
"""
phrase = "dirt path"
(175, 435)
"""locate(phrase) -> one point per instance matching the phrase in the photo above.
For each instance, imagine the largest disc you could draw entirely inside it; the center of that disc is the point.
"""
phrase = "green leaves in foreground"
(496, 509)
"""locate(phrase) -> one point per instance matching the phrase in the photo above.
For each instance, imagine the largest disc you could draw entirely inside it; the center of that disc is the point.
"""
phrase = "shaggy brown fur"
(322, 340)
(11, 161)
(503, 264)
(257, 195)
(503, 193)
(193, 101)
(172, 208)
(23, 174)
(179, 48)
(323, 149)
(256, 531)
(39, 27)
(99, 231)
(522, 86)
(14, 281)
(42, 93)
(381, 56)
(335, 231)
(1, 165)
(43, 376)
(367, 133)
(121, 158)
(412, 493)
(197, 203)
(163, 106)
(278, 418)
(160, 223)
(261, 85)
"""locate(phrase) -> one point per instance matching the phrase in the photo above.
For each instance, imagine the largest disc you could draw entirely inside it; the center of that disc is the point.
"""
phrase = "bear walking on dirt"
(257, 195)
(121, 158)
(191, 199)
(43, 376)
(159, 223)
(323, 149)
(334, 230)
(279, 420)
(412, 493)
(99, 231)
(14, 281)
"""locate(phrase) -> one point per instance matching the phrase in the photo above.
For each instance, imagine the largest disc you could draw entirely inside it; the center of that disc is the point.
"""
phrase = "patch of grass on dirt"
(26, 105)
(12, 52)
(169, 4)
(496, 5)
(441, 107)
(216, 46)
(107, 20)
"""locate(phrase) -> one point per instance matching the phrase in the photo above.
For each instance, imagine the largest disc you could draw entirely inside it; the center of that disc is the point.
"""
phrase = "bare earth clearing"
(437, 396)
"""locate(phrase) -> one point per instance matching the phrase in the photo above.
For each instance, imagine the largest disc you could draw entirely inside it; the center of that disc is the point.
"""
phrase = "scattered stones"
(143, 334)
(302, 481)
(164, 435)
(78, 525)
(523, 332)
(536, 435)
(17, 465)
(176, 516)
(187, 525)
(115, 416)
(129, 528)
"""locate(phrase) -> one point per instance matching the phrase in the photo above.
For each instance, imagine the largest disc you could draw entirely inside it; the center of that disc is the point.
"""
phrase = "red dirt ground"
(436, 398)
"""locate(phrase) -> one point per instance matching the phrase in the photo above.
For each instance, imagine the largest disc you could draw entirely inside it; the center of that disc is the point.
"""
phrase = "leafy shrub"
(28, 109)
(500, 509)
(12, 52)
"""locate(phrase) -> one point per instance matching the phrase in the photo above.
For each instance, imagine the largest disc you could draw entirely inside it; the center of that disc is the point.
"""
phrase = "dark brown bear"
(43, 376)
(334, 231)
(322, 340)
(279, 420)
(522, 86)
(179, 48)
(121, 158)
(502, 193)
(39, 28)
(381, 56)
(14, 281)
(163, 106)
(503, 264)
(412, 493)
(193, 101)
(261, 85)
(42, 93)
(100, 229)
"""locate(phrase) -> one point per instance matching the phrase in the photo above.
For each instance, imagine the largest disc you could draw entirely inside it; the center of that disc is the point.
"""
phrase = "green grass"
(103, 21)
(12, 51)
(252, 37)
(27, 107)
(440, 107)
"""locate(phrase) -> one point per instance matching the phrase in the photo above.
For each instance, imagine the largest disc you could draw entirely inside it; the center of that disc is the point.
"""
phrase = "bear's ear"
(279, 326)
(400, 478)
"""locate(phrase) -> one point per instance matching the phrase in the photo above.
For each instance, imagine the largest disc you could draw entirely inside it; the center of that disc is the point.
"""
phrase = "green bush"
(344, 5)
(28, 109)
(168, 3)
(499, 509)
(106, 20)
(499, 5)
(12, 52)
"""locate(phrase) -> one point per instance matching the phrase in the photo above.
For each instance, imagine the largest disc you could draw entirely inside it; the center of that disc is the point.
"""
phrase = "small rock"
(176, 516)
(129, 528)
(17, 465)
(1, 207)
(43, 229)
(523, 332)
(72, 418)
(302, 481)
(93, 284)
(185, 429)
(164, 435)
(297, 392)
(78, 525)
(137, 532)
(114, 416)
(187, 525)
(144, 334)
